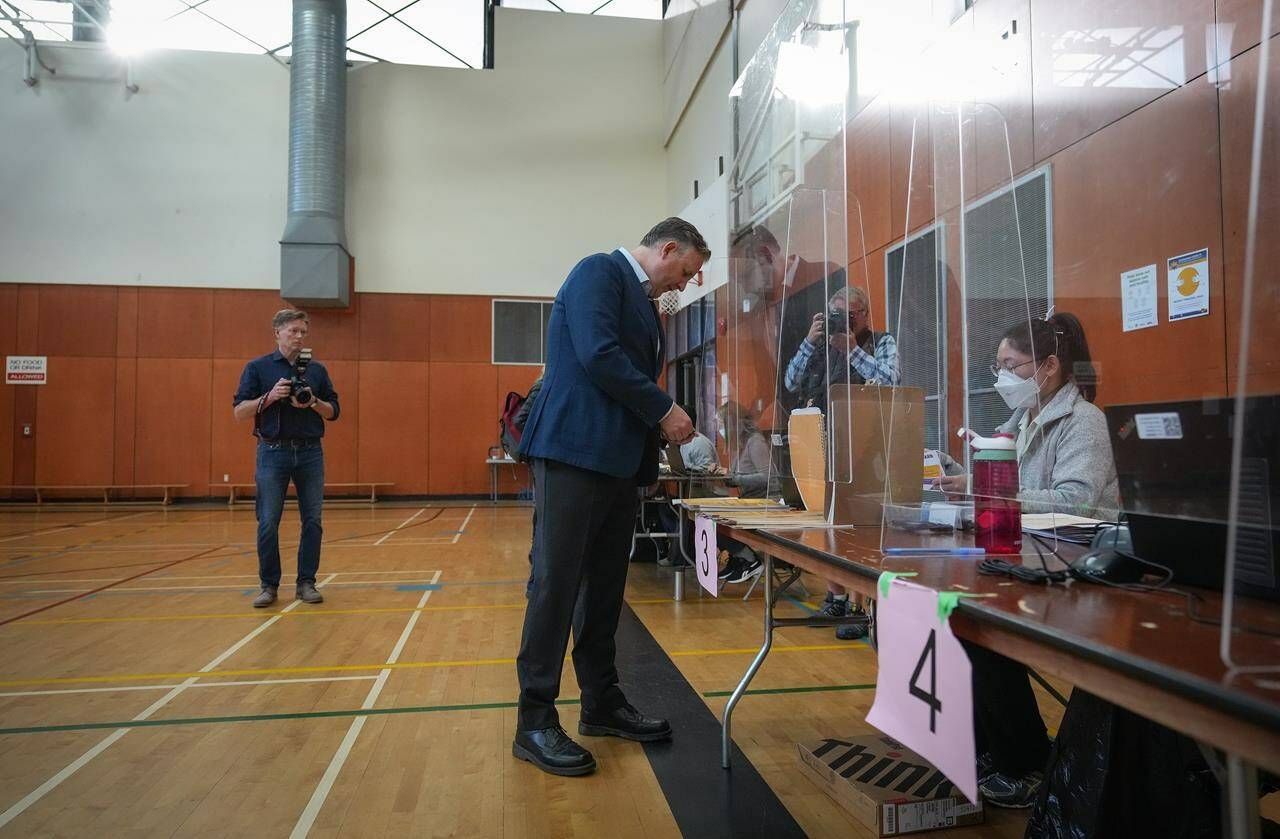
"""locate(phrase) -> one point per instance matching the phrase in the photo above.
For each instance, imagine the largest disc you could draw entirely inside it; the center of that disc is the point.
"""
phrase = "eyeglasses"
(996, 368)
(857, 312)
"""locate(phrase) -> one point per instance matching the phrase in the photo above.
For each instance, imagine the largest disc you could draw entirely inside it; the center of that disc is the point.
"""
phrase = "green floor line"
(370, 712)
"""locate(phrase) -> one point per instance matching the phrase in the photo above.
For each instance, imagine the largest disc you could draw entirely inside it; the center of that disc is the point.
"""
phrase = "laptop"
(1173, 460)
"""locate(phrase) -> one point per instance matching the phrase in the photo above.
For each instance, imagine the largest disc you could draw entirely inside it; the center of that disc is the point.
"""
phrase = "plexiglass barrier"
(1250, 639)
(789, 257)
(1052, 223)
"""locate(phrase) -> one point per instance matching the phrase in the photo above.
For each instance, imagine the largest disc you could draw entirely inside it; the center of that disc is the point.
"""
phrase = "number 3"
(704, 555)
(929, 698)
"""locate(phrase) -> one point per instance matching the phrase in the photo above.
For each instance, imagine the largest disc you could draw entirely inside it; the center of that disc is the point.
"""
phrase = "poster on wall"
(1138, 298)
(26, 369)
(1189, 285)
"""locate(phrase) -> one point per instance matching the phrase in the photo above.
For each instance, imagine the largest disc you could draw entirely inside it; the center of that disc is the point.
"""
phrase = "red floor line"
(85, 594)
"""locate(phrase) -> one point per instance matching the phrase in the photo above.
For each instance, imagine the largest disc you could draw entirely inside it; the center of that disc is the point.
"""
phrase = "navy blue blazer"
(600, 405)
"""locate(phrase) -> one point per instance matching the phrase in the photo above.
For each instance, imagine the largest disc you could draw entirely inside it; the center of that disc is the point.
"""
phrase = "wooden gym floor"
(140, 694)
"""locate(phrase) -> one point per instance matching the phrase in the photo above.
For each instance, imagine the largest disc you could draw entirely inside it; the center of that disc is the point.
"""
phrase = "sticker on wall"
(1138, 298)
(1164, 426)
(26, 370)
(1189, 285)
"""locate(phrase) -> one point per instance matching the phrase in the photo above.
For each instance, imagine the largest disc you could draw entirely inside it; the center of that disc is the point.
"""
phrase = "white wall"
(181, 184)
(704, 134)
(691, 32)
(458, 181)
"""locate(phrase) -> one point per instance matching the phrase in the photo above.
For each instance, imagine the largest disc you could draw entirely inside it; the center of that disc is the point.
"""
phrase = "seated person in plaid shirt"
(854, 356)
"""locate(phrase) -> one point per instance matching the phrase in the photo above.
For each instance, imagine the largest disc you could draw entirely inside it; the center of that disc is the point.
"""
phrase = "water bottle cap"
(998, 442)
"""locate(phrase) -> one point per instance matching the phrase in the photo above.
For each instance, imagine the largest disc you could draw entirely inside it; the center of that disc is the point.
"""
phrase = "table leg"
(726, 736)
(676, 566)
(1242, 800)
(493, 483)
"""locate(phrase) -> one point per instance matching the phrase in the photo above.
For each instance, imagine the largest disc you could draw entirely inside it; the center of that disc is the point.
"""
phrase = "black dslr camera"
(837, 322)
(298, 387)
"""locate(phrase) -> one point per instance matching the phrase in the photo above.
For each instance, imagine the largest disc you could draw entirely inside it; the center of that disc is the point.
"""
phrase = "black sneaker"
(832, 608)
(745, 571)
(853, 631)
(731, 568)
(1001, 790)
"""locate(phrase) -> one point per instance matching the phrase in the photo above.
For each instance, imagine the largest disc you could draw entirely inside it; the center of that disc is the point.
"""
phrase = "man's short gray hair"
(286, 315)
(857, 292)
(679, 231)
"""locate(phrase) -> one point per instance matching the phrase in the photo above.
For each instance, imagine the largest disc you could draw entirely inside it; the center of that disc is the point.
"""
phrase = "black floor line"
(705, 800)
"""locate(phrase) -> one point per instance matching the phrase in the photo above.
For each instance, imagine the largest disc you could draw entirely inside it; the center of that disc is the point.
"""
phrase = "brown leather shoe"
(307, 593)
(265, 598)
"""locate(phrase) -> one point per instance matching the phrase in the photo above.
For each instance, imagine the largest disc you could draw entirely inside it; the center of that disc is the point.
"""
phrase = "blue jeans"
(277, 465)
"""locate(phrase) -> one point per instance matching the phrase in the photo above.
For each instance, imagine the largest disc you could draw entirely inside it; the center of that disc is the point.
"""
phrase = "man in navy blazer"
(593, 435)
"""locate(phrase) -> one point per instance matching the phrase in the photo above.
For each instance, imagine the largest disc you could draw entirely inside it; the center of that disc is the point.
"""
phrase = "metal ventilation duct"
(315, 266)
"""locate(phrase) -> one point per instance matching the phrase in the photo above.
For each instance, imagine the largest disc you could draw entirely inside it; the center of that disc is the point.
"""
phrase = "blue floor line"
(799, 603)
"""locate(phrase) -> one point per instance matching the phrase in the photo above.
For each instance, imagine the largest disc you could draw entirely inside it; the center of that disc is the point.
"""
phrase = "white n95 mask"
(1015, 391)
(669, 302)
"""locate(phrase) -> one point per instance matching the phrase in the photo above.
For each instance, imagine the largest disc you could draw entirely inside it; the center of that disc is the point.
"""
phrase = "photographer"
(289, 397)
(854, 355)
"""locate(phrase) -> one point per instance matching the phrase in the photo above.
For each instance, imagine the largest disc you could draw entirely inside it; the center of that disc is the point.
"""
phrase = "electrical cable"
(1001, 567)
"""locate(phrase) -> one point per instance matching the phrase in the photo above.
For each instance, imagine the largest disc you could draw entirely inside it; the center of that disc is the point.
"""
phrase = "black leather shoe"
(624, 722)
(551, 750)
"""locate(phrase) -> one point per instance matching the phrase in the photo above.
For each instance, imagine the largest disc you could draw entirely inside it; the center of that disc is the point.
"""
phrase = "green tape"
(947, 602)
(887, 578)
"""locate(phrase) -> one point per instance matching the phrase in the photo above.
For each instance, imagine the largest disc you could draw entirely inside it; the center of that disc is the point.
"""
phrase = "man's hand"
(676, 427)
(817, 329)
(280, 391)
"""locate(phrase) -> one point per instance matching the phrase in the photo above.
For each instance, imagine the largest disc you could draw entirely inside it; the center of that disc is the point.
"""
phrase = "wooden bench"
(105, 489)
(233, 491)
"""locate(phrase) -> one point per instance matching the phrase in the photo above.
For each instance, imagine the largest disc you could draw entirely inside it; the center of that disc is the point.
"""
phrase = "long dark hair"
(1061, 335)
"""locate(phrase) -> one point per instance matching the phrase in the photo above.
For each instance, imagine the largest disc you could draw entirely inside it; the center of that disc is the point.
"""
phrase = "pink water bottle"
(996, 511)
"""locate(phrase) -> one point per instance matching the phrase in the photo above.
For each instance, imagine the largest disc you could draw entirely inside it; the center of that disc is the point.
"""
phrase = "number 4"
(929, 698)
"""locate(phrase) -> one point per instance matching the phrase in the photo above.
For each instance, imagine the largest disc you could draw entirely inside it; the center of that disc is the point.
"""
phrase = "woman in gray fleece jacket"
(1045, 374)
(1064, 450)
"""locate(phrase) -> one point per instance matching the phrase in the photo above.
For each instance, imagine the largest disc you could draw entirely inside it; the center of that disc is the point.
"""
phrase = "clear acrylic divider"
(747, 365)
(789, 230)
(1251, 579)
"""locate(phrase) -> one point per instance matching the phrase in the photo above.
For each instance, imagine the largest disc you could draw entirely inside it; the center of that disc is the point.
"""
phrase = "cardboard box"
(885, 785)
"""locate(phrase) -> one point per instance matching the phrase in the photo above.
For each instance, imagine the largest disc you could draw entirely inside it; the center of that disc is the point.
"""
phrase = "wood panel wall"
(1138, 174)
(141, 383)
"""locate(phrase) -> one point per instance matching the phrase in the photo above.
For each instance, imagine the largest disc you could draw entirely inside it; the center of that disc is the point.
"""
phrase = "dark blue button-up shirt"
(282, 420)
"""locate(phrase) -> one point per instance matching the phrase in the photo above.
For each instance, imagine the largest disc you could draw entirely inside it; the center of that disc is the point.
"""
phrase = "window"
(520, 331)
(994, 298)
(994, 274)
(917, 321)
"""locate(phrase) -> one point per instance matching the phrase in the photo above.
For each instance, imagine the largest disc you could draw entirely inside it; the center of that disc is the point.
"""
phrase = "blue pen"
(936, 551)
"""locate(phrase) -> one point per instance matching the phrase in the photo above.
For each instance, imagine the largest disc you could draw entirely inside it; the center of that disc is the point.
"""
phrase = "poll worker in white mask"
(1045, 375)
